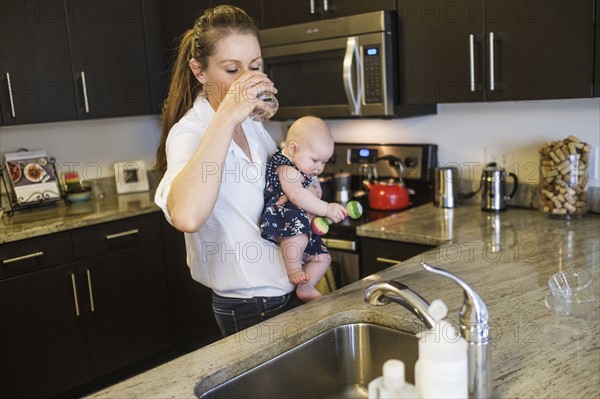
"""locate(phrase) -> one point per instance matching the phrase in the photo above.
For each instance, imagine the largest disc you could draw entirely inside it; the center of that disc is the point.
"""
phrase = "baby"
(290, 171)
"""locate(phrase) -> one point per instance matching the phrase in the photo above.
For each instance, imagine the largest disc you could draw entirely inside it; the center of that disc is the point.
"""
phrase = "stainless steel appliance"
(342, 187)
(493, 187)
(343, 243)
(344, 67)
(445, 192)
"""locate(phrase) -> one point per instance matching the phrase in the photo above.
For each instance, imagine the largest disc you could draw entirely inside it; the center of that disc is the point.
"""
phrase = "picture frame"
(131, 176)
(32, 178)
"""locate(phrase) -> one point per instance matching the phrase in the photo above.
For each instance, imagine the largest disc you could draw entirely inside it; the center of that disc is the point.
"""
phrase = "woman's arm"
(195, 189)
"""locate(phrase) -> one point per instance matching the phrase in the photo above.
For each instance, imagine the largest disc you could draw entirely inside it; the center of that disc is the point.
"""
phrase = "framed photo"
(131, 177)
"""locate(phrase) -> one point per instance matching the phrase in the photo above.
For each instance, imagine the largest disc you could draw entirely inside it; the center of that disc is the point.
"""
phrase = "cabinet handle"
(10, 96)
(122, 234)
(89, 278)
(388, 260)
(492, 77)
(312, 6)
(20, 258)
(325, 5)
(85, 96)
(472, 62)
(74, 284)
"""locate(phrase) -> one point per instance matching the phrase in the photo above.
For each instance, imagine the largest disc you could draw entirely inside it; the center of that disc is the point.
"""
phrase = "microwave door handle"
(352, 56)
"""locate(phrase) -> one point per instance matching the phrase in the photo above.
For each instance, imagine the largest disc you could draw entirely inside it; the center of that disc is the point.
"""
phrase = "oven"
(345, 259)
(347, 249)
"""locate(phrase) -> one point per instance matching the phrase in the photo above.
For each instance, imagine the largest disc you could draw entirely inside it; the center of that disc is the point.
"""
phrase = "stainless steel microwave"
(337, 68)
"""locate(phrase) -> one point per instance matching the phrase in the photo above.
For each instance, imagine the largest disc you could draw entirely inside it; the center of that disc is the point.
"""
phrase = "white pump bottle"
(441, 371)
(392, 383)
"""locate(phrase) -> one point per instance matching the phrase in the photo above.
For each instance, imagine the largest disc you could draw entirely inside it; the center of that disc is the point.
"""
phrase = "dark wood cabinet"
(42, 345)
(281, 13)
(433, 46)
(535, 43)
(70, 324)
(495, 50)
(37, 85)
(27, 256)
(194, 324)
(129, 320)
(73, 59)
(342, 8)
(108, 58)
(597, 50)
(377, 254)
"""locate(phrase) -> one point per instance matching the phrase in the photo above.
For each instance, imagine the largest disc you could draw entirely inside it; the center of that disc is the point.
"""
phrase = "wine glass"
(259, 115)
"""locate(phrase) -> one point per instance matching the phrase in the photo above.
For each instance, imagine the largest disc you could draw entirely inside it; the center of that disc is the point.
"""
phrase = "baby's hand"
(336, 212)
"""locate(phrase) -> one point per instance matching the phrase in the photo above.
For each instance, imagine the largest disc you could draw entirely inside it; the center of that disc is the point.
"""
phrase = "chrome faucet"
(384, 292)
(473, 321)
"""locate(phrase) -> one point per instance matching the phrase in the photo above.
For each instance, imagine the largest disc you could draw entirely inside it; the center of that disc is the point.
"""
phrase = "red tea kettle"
(388, 194)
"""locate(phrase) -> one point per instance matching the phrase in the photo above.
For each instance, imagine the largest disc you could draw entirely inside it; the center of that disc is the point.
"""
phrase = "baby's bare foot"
(307, 293)
(297, 277)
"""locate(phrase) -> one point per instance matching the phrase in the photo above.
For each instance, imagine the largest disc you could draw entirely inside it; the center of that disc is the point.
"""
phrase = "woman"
(213, 158)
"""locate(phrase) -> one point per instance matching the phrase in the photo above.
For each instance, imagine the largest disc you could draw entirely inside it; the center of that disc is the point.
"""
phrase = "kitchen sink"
(338, 363)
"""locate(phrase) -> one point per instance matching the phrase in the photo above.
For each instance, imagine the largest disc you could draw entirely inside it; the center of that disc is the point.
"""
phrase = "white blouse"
(228, 253)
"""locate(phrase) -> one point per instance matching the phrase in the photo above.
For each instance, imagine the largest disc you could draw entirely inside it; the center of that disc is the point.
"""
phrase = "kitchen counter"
(506, 257)
(57, 217)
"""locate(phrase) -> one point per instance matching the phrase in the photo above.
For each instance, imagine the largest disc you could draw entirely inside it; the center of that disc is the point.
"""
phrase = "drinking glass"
(258, 115)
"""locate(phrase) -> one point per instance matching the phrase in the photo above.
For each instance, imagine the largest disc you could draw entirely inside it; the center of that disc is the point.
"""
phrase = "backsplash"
(527, 195)
(462, 132)
(467, 134)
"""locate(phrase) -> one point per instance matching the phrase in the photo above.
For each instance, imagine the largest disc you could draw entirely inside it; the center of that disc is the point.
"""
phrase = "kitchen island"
(506, 257)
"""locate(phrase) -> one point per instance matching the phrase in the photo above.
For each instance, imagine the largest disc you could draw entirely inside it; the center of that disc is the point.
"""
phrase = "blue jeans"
(236, 314)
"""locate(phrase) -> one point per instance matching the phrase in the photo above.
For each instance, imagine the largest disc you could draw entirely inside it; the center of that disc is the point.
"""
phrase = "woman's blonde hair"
(198, 43)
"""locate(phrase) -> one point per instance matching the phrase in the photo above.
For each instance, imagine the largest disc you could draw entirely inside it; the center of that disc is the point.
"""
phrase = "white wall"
(85, 145)
(461, 131)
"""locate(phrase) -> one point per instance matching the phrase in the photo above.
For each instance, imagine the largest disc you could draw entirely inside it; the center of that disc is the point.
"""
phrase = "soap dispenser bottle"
(392, 383)
(441, 370)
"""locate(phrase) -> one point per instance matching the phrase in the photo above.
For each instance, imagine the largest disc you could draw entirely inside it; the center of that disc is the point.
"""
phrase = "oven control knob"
(410, 162)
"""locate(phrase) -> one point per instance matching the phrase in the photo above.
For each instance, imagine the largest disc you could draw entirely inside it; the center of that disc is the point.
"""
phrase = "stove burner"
(419, 160)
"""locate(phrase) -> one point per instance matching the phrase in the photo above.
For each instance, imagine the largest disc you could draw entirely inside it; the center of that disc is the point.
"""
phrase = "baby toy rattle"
(320, 225)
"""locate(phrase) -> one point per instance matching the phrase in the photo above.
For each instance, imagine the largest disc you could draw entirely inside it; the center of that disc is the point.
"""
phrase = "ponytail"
(197, 43)
(183, 90)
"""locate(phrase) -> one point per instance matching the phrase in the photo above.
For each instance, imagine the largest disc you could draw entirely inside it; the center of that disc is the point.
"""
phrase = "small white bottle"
(441, 371)
(392, 383)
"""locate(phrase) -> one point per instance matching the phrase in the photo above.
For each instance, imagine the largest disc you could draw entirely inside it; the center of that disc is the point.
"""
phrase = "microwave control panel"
(372, 75)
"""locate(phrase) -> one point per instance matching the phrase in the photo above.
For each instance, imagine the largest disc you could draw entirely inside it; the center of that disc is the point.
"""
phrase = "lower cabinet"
(70, 324)
(378, 254)
(43, 349)
(193, 321)
(125, 298)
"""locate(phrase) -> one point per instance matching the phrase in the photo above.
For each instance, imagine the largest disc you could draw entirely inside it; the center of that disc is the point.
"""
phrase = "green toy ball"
(320, 225)
(355, 209)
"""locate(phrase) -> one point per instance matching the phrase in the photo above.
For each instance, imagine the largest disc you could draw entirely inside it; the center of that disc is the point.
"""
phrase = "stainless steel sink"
(338, 363)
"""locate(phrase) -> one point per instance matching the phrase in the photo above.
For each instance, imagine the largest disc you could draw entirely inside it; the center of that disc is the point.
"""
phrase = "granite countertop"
(506, 257)
(57, 217)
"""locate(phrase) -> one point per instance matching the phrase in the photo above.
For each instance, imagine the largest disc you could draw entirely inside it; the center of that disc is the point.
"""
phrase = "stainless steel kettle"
(493, 187)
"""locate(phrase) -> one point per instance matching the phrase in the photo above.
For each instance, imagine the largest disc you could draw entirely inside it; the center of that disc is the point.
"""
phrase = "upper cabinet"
(495, 50)
(72, 60)
(108, 57)
(597, 51)
(37, 82)
(280, 13)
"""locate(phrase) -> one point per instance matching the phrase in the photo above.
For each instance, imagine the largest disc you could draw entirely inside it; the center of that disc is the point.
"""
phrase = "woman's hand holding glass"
(253, 93)
(268, 99)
